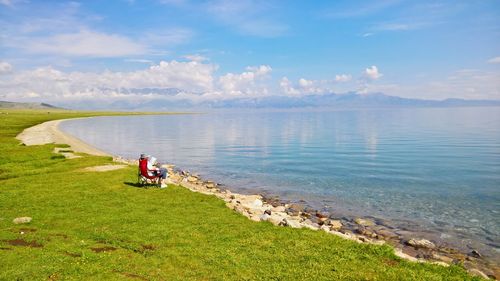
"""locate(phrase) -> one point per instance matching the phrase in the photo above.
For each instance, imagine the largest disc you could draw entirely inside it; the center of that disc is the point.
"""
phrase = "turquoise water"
(435, 169)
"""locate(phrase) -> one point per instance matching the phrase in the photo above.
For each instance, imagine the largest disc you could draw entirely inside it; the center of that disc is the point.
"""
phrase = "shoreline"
(49, 132)
(281, 213)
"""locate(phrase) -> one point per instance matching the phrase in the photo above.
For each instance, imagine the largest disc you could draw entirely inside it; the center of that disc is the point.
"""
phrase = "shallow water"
(437, 169)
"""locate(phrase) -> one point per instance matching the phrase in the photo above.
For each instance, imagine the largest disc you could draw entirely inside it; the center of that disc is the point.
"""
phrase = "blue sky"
(230, 49)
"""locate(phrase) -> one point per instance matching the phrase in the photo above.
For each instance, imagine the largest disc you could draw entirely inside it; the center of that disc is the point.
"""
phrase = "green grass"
(153, 234)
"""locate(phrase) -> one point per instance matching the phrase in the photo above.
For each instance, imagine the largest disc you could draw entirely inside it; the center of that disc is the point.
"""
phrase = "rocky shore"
(362, 230)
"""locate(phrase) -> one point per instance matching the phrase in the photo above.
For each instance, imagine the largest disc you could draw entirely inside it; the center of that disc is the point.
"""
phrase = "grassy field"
(99, 226)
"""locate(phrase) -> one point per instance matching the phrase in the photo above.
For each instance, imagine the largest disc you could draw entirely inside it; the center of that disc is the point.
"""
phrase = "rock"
(291, 223)
(255, 218)
(306, 215)
(401, 254)
(384, 233)
(265, 217)
(476, 254)
(364, 222)
(325, 228)
(296, 207)
(257, 203)
(22, 220)
(278, 209)
(364, 231)
(442, 258)
(364, 239)
(292, 212)
(309, 210)
(314, 219)
(421, 243)
(311, 225)
(322, 215)
(192, 179)
(335, 224)
(276, 218)
(478, 273)
(210, 185)
(267, 212)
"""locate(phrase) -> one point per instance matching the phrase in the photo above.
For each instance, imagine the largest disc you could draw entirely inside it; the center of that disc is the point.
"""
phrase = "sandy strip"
(49, 132)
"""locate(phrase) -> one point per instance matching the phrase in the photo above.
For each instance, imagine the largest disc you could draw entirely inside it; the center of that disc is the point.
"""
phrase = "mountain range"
(169, 99)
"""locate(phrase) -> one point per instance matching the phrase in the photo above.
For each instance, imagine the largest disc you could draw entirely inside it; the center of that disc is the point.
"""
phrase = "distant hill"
(26, 105)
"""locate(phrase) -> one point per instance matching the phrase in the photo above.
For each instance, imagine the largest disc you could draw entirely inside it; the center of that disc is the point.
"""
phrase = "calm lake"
(435, 171)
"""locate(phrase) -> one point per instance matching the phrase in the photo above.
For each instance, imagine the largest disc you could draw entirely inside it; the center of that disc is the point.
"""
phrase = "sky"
(117, 50)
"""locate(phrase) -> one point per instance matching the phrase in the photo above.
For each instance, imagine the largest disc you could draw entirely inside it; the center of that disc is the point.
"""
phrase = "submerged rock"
(364, 222)
(476, 254)
(421, 243)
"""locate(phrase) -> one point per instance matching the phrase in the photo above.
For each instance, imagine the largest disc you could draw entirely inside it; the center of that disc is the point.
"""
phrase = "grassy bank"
(99, 226)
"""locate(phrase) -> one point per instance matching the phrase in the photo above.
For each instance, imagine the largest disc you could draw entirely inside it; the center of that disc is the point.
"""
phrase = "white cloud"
(50, 84)
(195, 80)
(287, 87)
(245, 83)
(198, 81)
(360, 9)
(139, 61)
(162, 38)
(343, 77)
(5, 67)
(304, 83)
(464, 84)
(304, 86)
(64, 30)
(11, 3)
(372, 73)
(84, 43)
(249, 17)
(494, 60)
(195, 57)
(401, 26)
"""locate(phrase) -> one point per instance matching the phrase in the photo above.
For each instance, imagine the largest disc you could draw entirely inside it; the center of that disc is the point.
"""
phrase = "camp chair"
(143, 178)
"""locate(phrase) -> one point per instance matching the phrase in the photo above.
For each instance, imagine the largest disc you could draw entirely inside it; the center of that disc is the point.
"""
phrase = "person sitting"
(155, 169)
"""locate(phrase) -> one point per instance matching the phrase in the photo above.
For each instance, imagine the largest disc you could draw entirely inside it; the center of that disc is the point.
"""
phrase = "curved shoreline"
(48, 132)
(258, 208)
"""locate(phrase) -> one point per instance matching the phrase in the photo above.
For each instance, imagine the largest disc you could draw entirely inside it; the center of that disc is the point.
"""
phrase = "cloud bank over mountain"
(196, 83)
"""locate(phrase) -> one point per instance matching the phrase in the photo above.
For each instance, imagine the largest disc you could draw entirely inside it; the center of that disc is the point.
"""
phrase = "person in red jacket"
(154, 169)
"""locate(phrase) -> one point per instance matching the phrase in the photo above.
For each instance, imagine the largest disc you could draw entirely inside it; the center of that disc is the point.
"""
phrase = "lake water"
(435, 169)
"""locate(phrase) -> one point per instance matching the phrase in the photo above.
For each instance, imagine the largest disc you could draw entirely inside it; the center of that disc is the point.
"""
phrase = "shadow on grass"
(138, 185)
(135, 184)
